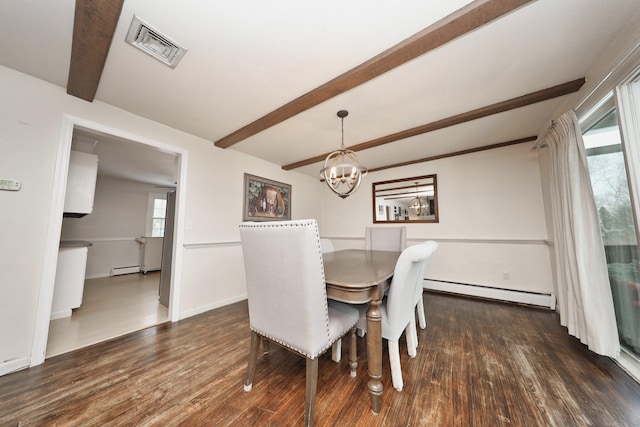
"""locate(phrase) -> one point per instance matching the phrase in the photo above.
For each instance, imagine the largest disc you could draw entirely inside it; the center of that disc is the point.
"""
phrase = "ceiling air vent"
(150, 41)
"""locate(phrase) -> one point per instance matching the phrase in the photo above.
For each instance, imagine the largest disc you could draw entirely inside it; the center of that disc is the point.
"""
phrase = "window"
(156, 214)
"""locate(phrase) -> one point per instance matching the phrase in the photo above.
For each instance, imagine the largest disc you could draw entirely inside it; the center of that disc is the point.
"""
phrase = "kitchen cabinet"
(81, 184)
(69, 283)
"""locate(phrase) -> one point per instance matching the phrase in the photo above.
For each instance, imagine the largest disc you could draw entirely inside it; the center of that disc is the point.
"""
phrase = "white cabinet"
(81, 184)
(69, 284)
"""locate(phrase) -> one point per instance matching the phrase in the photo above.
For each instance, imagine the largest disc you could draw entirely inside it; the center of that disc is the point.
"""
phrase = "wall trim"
(547, 300)
(109, 239)
(13, 365)
(129, 269)
(61, 314)
(208, 307)
(211, 245)
(487, 241)
(97, 276)
(448, 240)
(410, 240)
(54, 230)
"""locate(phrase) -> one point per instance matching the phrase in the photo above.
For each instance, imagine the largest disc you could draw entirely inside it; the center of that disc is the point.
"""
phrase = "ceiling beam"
(457, 153)
(94, 24)
(500, 107)
(453, 26)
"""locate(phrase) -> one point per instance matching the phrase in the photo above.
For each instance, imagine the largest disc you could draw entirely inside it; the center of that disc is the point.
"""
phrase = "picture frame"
(383, 213)
(265, 199)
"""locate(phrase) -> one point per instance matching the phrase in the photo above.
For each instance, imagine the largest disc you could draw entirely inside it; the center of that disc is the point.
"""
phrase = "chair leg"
(415, 331)
(336, 351)
(412, 338)
(312, 385)
(265, 346)
(253, 358)
(353, 353)
(421, 317)
(394, 361)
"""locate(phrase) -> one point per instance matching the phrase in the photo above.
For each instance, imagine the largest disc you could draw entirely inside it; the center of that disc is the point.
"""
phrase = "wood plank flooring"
(479, 363)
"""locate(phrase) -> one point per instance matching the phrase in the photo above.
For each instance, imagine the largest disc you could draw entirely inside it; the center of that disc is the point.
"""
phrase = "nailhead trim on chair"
(296, 223)
(300, 352)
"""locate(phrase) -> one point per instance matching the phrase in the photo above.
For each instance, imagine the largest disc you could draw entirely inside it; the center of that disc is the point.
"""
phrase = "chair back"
(419, 286)
(385, 238)
(285, 284)
(407, 277)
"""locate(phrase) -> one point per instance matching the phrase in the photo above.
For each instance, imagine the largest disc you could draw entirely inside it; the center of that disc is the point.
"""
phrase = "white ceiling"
(124, 159)
(247, 58)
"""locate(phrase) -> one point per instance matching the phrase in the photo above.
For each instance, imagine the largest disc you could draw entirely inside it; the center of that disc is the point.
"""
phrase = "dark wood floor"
(479, 363)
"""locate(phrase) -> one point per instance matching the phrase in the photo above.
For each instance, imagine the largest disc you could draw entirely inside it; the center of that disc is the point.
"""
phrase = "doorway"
(133, 146)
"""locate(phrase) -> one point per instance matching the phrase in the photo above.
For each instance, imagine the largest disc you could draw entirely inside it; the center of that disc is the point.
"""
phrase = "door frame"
(43, 313)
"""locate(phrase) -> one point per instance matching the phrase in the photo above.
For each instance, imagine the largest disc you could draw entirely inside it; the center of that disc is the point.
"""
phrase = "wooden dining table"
(360, 276)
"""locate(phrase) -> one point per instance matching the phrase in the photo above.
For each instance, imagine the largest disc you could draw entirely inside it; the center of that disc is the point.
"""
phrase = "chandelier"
(341, 170)
(419, 206)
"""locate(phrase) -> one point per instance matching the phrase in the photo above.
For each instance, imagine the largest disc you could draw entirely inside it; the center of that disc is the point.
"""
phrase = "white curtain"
(583, 292)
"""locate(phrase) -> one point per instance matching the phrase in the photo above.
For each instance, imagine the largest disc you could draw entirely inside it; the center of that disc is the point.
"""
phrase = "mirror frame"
(411, 180)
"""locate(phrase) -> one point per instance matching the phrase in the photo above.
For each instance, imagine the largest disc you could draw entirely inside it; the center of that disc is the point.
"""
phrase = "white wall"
(491, 212)
(31, 114)
(119, 216)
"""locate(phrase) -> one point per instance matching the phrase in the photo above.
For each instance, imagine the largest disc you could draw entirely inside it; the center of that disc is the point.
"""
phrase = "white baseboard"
(208, 307)
(97, 276)
(9, 366)
(61, 314)
(629, 363)
(523, 297)
(117, 271)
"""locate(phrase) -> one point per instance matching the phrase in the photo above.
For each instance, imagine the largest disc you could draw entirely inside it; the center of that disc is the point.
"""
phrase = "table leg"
(374, 353)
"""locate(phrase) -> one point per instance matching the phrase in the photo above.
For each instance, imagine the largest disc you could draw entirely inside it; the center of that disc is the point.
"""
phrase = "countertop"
(75, 244)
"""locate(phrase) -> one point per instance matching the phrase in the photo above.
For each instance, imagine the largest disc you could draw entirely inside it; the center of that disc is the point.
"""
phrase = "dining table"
(358, 276)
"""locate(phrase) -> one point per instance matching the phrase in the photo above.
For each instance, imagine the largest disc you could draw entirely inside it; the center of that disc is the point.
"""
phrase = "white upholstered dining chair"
(385, 238)
(287, 298)
(392, 239)
(398, 308)
(419, 302)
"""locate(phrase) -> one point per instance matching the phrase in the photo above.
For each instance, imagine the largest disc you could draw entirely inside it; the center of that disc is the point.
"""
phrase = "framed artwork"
(265, 199)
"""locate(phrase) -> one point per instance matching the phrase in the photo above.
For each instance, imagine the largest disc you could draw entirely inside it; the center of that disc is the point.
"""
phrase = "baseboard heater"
(511, 295)
(117, 271)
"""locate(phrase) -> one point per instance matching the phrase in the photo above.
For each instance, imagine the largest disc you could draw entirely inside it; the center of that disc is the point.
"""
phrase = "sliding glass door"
(608, 173)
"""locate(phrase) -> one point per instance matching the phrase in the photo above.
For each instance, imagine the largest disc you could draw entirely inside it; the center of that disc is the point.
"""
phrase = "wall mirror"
(406, 200)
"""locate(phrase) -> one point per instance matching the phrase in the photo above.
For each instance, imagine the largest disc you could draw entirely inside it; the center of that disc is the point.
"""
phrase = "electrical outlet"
(506, 275)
